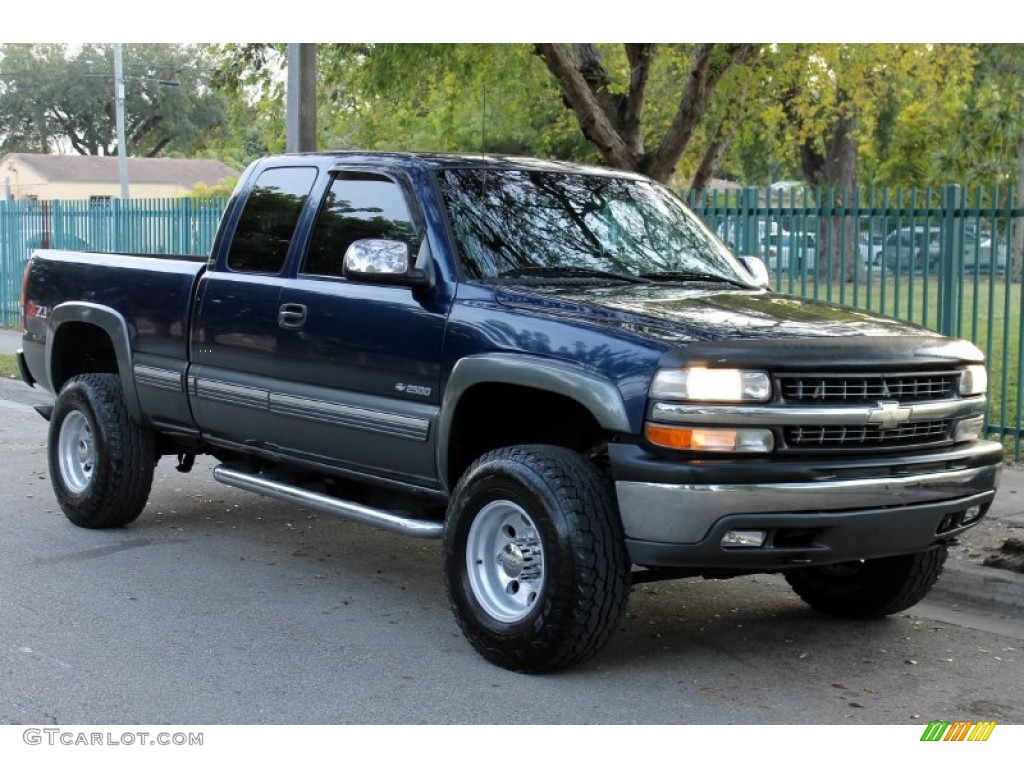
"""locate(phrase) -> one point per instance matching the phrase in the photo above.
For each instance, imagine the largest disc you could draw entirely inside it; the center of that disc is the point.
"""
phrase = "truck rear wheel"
(101, 463)
(535, 562)
(871, 589)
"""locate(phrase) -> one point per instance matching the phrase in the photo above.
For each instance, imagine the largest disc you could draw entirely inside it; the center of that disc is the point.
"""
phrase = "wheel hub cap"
(505, 561)
(511, 559)
(76, 452)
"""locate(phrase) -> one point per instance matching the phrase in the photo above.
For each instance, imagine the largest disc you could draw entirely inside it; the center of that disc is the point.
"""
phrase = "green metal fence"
(945, 259)
(942, 259)
(182, 226)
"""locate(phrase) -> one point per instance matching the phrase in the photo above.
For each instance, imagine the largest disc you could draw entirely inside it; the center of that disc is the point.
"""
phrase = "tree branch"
(631, 117)
(724, 134)
(713, 154)
(155, 151)
(708, 68)
(594, 121)
(596, 77)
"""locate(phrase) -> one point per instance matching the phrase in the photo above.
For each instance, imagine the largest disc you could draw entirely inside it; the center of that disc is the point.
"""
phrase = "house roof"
(141, 170)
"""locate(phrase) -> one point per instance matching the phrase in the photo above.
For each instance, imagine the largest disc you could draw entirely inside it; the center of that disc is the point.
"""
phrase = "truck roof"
(438, 161)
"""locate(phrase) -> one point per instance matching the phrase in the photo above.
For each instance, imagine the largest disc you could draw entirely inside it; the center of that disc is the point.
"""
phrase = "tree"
(611, 106)
(989, 145)
(628, 101)
(54, 97)
(847, 114)
(430, 97)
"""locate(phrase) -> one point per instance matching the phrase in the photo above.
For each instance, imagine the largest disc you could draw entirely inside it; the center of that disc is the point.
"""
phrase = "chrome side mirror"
(375, 260)
(376, 257)
(757, 269)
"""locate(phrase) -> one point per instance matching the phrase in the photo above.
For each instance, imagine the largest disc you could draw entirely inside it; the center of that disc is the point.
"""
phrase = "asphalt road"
(221, 607)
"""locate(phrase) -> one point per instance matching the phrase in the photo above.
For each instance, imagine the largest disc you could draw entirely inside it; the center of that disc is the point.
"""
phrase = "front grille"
(867, 388)
(831, 437)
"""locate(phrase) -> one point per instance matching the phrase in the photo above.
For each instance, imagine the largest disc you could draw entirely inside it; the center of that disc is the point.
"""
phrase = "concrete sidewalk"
(10, 341)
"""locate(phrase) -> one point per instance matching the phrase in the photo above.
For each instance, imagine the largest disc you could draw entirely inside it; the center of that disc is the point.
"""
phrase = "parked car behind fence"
(912, 249)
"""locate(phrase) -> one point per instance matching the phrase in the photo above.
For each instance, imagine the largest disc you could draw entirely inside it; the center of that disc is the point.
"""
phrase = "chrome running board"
(378, 518)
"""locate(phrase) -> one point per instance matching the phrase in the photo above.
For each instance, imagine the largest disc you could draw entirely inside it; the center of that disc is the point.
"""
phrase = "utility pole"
(300, 110)
(122, 144)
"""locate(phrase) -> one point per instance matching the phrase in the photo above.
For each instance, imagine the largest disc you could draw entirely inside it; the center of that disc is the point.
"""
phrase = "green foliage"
(222, 188)
(898, 103)
(918, 114)
(987, 134)
(423, 97)
(55, 97)
(444, 97)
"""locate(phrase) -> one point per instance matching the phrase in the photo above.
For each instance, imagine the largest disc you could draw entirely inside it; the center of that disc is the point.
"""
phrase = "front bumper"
(675, 514)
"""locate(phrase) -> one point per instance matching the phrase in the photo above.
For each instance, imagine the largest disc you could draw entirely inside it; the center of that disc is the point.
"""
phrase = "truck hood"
(681, 314)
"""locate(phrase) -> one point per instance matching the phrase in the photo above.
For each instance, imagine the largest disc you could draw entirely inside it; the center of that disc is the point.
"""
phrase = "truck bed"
(149, 295)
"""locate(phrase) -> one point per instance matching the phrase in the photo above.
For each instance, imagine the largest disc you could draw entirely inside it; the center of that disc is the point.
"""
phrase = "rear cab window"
(267, 223)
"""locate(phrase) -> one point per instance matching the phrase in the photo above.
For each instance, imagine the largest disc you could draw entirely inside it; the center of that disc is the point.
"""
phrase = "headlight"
(973, 380)
(720, 385)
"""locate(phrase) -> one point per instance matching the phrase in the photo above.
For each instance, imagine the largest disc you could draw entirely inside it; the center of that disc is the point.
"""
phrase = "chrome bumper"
(685, 514)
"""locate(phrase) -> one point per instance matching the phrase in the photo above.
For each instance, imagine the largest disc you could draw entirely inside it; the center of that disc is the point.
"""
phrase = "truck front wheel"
(869, 589)
(101, 463)
(535, 562)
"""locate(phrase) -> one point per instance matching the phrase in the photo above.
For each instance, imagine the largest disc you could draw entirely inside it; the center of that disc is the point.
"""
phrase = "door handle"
(291, 315)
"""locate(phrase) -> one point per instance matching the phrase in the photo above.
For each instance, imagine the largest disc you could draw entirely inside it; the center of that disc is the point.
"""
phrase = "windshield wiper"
(693, 277)
(570, 272)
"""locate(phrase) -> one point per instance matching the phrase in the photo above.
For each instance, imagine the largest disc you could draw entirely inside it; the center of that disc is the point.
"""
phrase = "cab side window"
(267, 223)
(358, 206)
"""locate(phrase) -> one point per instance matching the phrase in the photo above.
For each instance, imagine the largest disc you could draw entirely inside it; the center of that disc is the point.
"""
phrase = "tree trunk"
(842, 165)
(836, 168)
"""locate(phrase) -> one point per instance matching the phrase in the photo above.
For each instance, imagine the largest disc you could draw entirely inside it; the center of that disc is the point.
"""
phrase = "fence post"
(748, 222)
(184, 226)
(951, 264)
(6, 263)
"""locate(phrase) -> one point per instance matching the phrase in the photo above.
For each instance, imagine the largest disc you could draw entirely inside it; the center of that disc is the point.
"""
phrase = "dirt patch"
(985, 541)
(1010, 556)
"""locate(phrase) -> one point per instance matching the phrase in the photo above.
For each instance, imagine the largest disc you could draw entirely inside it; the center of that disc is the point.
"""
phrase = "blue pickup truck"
(558, 370)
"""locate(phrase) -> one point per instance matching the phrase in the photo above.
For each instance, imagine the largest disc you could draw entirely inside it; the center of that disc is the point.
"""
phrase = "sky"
(517, 21)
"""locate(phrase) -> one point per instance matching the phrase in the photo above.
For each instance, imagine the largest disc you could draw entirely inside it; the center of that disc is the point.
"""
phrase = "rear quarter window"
(267, 224)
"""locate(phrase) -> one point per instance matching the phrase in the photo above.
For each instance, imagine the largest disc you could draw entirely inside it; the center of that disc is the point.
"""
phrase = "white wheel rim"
(505, 561)
(76, 452)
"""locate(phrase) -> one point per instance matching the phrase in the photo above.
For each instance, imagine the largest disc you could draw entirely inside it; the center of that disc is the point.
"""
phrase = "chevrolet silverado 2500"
(558, 370)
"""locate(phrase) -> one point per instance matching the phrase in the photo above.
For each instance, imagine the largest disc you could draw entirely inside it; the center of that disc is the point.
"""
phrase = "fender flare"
(114, 325)
(600, 396)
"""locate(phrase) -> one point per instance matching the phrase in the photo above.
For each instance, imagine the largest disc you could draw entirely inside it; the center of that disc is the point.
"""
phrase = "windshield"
(517, 223)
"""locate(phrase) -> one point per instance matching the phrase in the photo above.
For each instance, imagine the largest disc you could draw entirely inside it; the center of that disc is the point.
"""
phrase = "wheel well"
(81, 348)
(493, 416)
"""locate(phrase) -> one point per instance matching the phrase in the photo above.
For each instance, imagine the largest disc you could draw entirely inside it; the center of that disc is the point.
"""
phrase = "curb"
(981, 586)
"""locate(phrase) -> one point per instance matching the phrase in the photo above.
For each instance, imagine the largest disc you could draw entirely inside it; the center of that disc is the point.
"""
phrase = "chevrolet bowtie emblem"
(889, 414)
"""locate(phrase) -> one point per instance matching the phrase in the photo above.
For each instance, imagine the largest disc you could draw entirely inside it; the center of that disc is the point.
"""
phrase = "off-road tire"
(101, 463)
(555, 513)
(871, 589)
